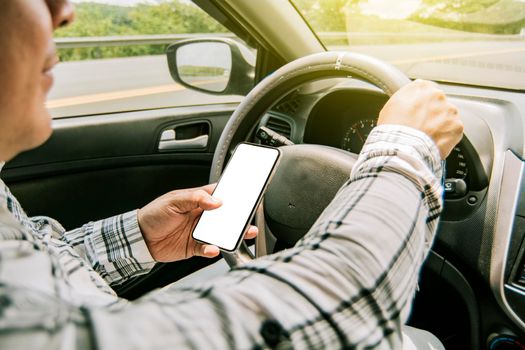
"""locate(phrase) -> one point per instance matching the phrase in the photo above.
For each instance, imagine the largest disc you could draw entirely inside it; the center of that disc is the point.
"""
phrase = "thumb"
(187, 201)
(206, 250)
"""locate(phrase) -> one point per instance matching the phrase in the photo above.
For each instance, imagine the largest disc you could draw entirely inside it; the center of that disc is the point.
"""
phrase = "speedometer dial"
(456, 164)
(356, 135)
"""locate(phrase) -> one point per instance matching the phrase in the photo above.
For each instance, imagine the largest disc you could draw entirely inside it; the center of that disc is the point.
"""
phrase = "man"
(348, 284)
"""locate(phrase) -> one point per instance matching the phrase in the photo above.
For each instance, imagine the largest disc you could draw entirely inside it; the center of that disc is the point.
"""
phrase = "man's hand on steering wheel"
(168, 221)
(422, 105)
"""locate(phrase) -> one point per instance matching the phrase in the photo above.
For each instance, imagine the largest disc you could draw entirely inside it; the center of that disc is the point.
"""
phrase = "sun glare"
(392, 9)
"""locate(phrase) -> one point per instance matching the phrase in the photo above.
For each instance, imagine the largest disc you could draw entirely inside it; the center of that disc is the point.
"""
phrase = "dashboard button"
(455, 187)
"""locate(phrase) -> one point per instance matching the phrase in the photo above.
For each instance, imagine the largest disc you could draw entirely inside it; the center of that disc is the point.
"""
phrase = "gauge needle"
(361, 137)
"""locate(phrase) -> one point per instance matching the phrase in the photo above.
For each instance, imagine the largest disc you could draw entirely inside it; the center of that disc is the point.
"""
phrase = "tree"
(325, 15)
(166, 17)
(457, 6)
(483, 16)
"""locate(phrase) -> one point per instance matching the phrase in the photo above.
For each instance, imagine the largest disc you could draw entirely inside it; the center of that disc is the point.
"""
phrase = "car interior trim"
(144, 127)
(287, 31)
(506, 211)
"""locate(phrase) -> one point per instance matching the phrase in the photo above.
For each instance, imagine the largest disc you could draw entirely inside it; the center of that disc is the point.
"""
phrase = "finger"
(425, 83)
(208, 188)
(206, 201)
(211, 200)
(206, 250)
(188, 200)
(251, 233)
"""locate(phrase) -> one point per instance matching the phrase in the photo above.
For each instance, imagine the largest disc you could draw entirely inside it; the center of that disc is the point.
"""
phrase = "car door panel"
(93, 167)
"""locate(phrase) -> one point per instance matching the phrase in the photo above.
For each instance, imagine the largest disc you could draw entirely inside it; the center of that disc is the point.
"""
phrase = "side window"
(113, 57)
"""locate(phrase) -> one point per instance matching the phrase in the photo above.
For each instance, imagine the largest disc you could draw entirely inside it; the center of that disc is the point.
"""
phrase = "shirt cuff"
(408, 152)
(392, 139)
(117, 249)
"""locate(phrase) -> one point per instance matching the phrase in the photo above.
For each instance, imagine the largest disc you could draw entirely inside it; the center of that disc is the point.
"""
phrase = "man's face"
(27, 57)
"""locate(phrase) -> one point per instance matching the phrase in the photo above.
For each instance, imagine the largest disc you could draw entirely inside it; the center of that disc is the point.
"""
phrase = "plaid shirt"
(348, 283)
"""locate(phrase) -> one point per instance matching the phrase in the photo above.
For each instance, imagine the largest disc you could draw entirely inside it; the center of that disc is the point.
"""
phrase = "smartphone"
(240, 189)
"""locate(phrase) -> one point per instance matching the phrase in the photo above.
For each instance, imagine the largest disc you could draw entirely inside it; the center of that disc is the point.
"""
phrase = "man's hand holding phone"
(168, 222)
(241, 192)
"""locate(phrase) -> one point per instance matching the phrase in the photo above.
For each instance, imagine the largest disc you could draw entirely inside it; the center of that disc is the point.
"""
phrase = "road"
(478, 63)
(122, 84)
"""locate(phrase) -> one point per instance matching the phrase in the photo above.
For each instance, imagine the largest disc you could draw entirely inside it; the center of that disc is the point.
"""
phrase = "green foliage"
(199, 71)
(181, 17)
(482, 16)
(167, 17)
(172, 17)
(93, 19)
(325, 15)
(458, 6)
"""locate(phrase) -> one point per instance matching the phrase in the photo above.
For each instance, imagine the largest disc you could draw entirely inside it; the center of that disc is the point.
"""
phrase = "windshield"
(478, 42)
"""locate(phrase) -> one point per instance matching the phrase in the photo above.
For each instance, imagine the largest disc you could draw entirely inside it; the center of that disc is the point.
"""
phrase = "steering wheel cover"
(287, 78)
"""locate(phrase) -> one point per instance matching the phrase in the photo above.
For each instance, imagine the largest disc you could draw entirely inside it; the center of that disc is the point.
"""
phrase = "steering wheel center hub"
(307, 179)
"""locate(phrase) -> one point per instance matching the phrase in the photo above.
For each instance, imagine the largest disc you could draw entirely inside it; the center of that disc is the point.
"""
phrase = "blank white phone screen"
(239, 189)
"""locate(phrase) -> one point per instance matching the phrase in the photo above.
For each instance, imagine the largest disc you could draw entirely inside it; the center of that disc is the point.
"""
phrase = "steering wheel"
(308, 176)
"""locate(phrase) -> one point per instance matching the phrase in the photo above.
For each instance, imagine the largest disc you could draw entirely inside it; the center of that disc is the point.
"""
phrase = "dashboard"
(477, 261)
(343, 116)
(344, 121)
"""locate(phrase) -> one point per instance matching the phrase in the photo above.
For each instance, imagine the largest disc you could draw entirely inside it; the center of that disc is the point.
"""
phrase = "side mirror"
(218, 66)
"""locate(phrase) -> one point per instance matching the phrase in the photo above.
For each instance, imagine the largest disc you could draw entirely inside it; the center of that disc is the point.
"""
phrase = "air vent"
(520, 278)
(280, 126)
(288, 107)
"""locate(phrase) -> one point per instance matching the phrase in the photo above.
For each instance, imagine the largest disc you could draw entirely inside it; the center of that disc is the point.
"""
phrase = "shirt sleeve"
(348, 283)
(114, 247)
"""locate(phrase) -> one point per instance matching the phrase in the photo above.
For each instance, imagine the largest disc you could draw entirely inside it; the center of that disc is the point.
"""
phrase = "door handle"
(193, 135)
(196, 142)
